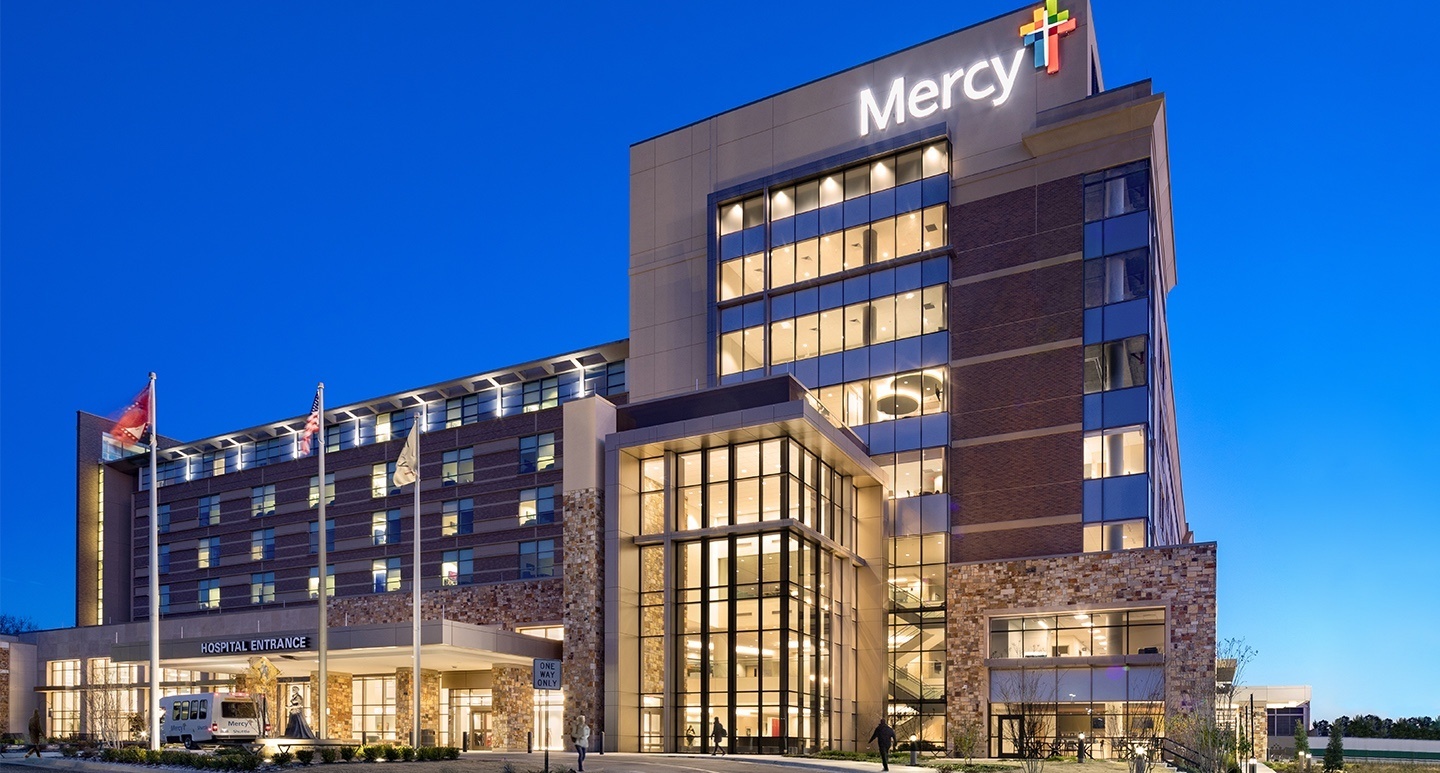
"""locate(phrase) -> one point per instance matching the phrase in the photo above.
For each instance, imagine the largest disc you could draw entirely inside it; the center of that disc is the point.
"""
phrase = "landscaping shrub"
(347, 753)
(370, 753)
(407, 753)
(329, 754)
(282, 758)
(305, 756)
(391, 753)
(452, 752)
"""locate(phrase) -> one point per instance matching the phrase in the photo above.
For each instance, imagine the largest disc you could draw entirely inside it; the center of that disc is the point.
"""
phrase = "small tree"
(1335, 750)
(1302, 741)
(967, 741)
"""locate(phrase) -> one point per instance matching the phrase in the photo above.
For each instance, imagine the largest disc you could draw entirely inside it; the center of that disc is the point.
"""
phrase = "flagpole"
(154, 575)
(324, 575)
(415, 597)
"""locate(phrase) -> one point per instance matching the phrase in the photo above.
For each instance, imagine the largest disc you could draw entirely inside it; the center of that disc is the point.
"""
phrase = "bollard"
(602, 737)
(915, 752)
(1080, 748)
(1139, 759)
(530, 742)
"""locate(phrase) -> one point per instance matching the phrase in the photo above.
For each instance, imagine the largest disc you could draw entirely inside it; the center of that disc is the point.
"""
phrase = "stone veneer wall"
(4, 686)
(583, 668)
(429, 703)
(504, 604)
(512, 706)
(1180, 578)
(340, 697)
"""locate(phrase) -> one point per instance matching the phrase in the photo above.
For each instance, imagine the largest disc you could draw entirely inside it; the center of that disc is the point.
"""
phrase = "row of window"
(457, 567)
(510, 400)
(896, 317)
(882, 240)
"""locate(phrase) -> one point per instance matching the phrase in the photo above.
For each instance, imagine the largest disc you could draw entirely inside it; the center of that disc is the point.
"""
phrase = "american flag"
(312, 425)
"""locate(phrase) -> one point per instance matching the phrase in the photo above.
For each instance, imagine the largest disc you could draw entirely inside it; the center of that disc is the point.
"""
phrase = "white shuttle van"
(210, 718)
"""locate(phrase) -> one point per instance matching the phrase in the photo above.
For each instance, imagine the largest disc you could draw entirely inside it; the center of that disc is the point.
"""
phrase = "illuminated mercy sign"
(1044, 34)
(980, 81)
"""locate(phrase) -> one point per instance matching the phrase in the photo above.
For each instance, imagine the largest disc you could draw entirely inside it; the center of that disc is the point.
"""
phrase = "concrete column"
(512, 707)
(429, 704)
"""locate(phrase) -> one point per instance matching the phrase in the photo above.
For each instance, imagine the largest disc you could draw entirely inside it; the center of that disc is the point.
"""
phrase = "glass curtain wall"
(758, 614)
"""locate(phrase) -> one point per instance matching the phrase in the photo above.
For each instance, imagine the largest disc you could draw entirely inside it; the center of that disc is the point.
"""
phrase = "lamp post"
(1080, 749)
(1253, 764)
(915, 751)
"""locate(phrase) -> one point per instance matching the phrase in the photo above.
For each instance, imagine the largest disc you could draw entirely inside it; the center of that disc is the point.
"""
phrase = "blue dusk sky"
(249, 198)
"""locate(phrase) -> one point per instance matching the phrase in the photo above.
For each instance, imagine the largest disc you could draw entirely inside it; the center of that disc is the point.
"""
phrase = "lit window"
(262, 501)
(1115, 535)
(209, 595)
(537, 559)
(742, 350)
(537, 505)
(340, 436)
(262, 545)
(329, 489)
(1115, 364)
(1115, 452)
(457, 466)
(208, 554)
(315, 582)
(382, 480)
(386, 574)
(262, 588)
(462, 410)
(457, 517)
(457, 567)
(537, 452)
(544, 393)
(385, 527)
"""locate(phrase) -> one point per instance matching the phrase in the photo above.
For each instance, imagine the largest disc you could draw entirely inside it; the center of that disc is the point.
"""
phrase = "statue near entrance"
(297, 727)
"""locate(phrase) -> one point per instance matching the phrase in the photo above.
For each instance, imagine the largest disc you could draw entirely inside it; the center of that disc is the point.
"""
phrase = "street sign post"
(545, 676)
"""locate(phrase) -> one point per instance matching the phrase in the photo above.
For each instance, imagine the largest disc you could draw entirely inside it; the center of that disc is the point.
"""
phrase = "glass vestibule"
(754, 629)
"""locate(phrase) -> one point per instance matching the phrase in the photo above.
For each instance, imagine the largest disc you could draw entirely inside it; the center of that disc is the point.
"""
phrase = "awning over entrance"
(445, 645)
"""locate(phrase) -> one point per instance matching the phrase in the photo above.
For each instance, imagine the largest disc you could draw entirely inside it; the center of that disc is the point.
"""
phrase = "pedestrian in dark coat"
(717, 732)
(37, 734)
(884, 737)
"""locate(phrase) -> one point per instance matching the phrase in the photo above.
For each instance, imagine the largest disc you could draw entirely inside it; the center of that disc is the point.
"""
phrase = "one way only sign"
(546, 674)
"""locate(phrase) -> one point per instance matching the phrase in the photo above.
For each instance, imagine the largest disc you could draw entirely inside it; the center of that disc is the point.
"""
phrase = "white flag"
(407, 467)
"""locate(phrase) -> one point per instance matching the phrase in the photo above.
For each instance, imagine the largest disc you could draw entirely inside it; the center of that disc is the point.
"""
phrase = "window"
(537, 395)
(382, 480)
(271, 451)
(1117, 278)
(460, 411)
(1077, 634)
(315, 582)
(209, 511)
(458, 567)
(886, 398)
(890, 318)
(262, 545)
(1114, 535)
(537, 559)
(1114, 452)
(385, 527)
(373, 708)
(164, 598)
(915, 473)
(329, 536)
(606, 379)
(537, 452)
(340, 436)
(398, 423)
(208, 554)
(164, 565)
(262, 501)
(742, 350)
(215, 463)
(329, 489)
(162, 520)
(537, 506)
(386, 574)
(1117, 191)
(63, 705)
(457, 517)
(742, 276)
(457, 466)
(1115, 365)
(209, 595)
(262, 588)
(173, 472)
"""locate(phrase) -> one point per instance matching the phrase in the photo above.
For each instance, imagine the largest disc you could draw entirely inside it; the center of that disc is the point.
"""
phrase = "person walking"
(580, 736)
(884, 737)
(37, 734)
(717, 732)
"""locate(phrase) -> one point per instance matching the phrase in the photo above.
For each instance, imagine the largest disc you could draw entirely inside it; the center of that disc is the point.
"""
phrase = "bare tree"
(13, 624)
(108, 701)
(1233, 655)
(1031, 693)
(1201, 730)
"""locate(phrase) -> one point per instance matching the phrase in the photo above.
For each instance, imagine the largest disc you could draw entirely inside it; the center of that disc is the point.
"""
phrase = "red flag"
(135, 420)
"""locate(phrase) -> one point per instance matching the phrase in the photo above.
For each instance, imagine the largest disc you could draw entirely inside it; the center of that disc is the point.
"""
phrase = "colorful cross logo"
(1044, 33)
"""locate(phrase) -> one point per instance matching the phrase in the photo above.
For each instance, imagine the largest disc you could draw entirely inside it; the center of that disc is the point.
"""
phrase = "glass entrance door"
(480, 734)
(1007, 731)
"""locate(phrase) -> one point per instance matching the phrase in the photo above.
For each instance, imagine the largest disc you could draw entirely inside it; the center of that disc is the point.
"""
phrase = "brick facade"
(1180, 578)
(583, 669)
(507, 605)
(429, 704)
(340, 698)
